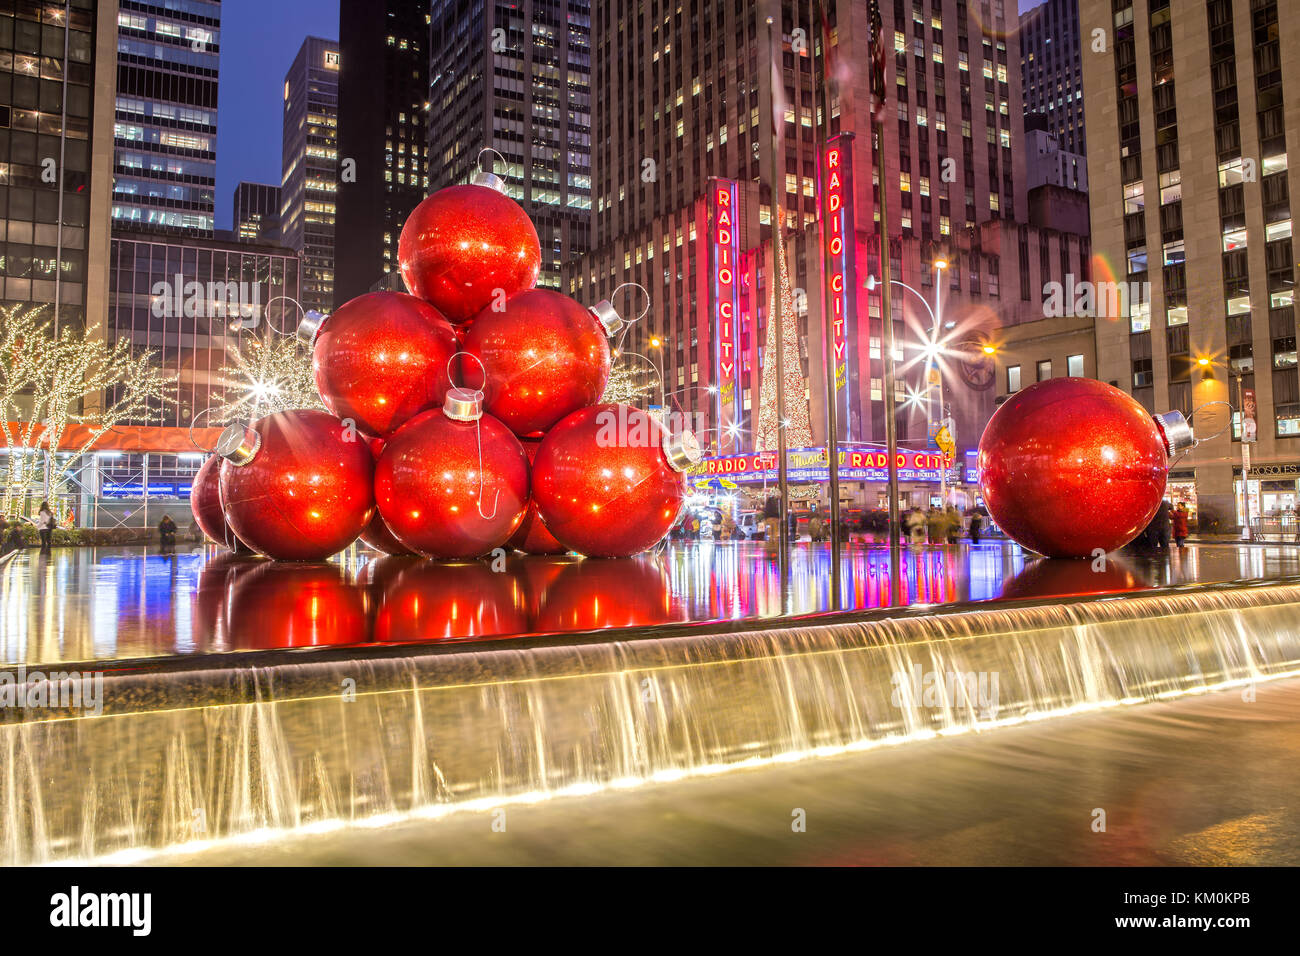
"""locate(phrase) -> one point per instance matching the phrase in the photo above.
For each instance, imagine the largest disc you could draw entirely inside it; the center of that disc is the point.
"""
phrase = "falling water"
(209, 755)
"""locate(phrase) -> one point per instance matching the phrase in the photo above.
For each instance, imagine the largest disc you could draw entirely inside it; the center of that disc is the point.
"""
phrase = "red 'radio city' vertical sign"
(724, 262)
(840, 258)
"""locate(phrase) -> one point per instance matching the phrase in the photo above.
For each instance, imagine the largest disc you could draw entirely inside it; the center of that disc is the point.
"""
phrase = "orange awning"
(132, 438)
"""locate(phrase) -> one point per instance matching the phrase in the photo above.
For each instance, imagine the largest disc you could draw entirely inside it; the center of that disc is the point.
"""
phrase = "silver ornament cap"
(490, 180)
(682, 450)
(238, 444)
(1176, 432)
(608, 317)
(310, 325)
(463, 405)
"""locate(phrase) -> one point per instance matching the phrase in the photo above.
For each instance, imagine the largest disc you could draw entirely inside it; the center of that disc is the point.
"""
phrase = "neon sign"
(841, 266)
(724, 258)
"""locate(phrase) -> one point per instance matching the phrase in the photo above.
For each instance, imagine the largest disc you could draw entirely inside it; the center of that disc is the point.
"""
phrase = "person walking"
(914, 525)
(45, 527)
(167, 533)
(771, 524)
(976, 525)
(13, 537)
(1179, 518)
(1163, 522)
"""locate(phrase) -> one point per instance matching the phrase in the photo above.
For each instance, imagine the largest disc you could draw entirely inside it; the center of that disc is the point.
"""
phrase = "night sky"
(259, 39)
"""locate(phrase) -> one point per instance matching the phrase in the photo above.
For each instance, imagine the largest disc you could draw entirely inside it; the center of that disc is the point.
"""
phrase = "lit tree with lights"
(49, 381)
(798, 428)
(626, 384)
(266, 375)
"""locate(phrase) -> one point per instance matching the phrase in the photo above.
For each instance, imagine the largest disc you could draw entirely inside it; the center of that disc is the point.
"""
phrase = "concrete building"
(383, 134)
(1051, 72)
(1190, 188)
(1047, 164)
(256, 212)
(168, 52)
(56, 159)
(686, 111)
(517, 79)
(309, 179)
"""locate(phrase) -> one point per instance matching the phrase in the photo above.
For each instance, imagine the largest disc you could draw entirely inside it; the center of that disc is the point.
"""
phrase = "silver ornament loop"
(484, 177)
(682, 450)
(1175, 431)
(608, 317)
(238, 444)
(463, 404)
(310, 327)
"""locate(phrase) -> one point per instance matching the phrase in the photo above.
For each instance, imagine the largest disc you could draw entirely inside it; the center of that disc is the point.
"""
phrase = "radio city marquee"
(841, 266)
(724, 252)
(857, 463)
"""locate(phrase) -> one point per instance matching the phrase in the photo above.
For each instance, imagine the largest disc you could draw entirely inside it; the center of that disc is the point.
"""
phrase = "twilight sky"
(259, 39)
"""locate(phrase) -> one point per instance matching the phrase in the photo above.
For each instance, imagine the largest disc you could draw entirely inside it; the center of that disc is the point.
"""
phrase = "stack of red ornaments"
(410, 461)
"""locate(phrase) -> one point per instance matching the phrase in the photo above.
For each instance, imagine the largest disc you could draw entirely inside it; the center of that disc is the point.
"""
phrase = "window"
(1288, 420)
(1142, 373)
(1013, 379)
(1074, 366)
(1044, 370)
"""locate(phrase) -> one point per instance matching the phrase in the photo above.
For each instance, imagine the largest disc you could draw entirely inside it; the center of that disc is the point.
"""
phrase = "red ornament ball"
(296, 485)
(205, 503)
(382, 359)
(532, 536)
(377, 536)
(464, 246)
(544, 355)
(604, 483)
(1071, 466)
(442, 496)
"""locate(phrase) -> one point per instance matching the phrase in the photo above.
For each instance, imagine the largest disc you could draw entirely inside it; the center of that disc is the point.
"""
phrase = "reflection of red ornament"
(633, 592)
(1058, 578)
(438, 602)
(1070, 466)
(381, 359)
(296, 605)
(532, 536)
(449, 488)
(205, 503)
(295, 486)
(464, 246)
(543, 355)
(211, 615)
(607, 480)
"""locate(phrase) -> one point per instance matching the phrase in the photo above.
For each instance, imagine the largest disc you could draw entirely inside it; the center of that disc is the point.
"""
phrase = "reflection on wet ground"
(1207, 781)
(119, 603)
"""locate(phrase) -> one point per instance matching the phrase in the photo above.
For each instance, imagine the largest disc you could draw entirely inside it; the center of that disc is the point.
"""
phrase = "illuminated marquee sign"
(857, 463)
(841, 263)
(724, 259)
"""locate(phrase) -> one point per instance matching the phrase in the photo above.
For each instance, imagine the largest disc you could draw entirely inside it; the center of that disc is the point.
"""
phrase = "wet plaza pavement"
(126, 603)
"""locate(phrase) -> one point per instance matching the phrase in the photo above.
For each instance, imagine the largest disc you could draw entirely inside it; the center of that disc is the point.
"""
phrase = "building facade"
(687, 108)
(383, 135)
(256, 212)
(56, 156)
(517, 79)
(1051, 71)
(1047, 164)
(168, 53)
(309, 181)
(1190, 188)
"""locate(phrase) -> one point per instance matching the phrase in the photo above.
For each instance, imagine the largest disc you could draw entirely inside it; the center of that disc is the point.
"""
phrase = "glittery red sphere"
(306, 493)
(381, 359)
(532, 536)
(545, 356)
(466, 245)
(603, 484)
(441, 496)
(377, 535)
(205, 503)
(1072, 465)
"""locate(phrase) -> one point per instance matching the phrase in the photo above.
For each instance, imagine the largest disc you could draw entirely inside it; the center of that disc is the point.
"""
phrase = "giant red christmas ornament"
(205, 503)
(377, 535)
(1071, 466)
(466, 245)
(607, 480)
(531, 537)
(296, 485)
(381, 359)
(452, 482)
(543, 356)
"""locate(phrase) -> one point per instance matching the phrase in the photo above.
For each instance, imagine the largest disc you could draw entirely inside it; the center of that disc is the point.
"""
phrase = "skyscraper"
(256, 212)
(383, 170)
(1051, 71)
(168, 53)
(309, 182)
(1190, 185)
(517, 79)
(56, 114)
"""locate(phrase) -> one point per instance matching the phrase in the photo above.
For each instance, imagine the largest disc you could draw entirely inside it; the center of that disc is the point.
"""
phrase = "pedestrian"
(937, 524)
(1179, 518)
(45, 526)
(953, 519)
(1163, 525)
(167, 532)
(815, 526)
(13, 537)
(794, 527)
(914, 526)
(771, 523)
(976, 525)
